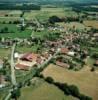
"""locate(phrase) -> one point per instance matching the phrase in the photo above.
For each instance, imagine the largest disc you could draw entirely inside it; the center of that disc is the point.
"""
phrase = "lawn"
(91, 23)
(85, 80)
(43, 91)
(15, 32)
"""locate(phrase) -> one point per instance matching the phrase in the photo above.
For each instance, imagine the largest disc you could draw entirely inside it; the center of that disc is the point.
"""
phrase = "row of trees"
(67, 89)
(54, 19)
(6, 6)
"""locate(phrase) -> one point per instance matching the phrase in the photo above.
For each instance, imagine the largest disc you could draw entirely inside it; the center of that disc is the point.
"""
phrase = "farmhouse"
(64, 50)
(28, 60)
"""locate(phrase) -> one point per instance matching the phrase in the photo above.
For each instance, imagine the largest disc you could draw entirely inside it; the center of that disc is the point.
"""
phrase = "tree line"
(6, 6)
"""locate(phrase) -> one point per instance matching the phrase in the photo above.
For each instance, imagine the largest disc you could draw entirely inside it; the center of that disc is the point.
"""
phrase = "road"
(13, 77)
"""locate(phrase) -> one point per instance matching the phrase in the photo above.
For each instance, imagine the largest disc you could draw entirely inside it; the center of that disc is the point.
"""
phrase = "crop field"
(6, 13)
(43, 91)
(76, 24)
(45, 13)
(86, 81)
(91, 23)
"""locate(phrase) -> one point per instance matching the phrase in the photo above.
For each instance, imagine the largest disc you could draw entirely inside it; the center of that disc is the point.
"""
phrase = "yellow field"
(92, 23)
(86, 81)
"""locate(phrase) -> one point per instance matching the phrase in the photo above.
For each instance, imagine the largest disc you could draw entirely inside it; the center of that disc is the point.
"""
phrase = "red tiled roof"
(62, 64)
(64, 50)
(30, 57)
(22, 67)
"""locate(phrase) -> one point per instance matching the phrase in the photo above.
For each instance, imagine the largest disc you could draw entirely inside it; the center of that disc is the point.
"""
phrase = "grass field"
(91, 23)
(4, 52)
(15, 32)
(43, 91)
(85, 80)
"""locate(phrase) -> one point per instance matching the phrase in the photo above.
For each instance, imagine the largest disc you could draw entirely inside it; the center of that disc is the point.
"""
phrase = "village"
(68, 47)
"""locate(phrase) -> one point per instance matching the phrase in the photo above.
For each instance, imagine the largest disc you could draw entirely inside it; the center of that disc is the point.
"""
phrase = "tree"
(15, 94)
(49, 80)
(54, 19)
(74, 90)
(92, 69)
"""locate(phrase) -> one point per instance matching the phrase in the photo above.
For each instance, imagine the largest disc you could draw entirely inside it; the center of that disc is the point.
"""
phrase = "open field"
(7, 19)
(2, 95)
(5, 52)
(45, 13)
(76, 24)
(43, 91)
(15, 32)
(91, 23)
(85, 80)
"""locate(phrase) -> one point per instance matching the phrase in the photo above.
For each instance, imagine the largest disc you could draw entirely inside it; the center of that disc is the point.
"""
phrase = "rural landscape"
(48, 50)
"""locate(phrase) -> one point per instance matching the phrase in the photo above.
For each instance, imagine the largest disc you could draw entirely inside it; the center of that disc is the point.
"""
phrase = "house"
(64, 50)
(28, 60)
(65, 65)
(1, 64)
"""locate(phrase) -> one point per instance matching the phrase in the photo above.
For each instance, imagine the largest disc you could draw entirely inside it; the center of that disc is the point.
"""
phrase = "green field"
(15, 32)
(4, 52)
(3, 95)
(43, 91)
